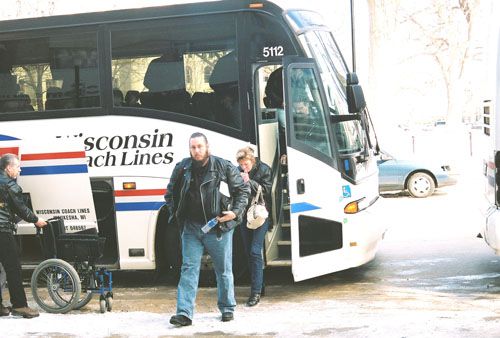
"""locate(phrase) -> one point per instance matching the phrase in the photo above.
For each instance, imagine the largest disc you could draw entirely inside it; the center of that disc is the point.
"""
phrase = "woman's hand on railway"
(228, 216)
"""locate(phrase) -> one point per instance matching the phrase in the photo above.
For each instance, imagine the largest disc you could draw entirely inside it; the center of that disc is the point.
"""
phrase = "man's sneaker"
(180, 320)
(4, 310)
(227, 316)
(25, 312)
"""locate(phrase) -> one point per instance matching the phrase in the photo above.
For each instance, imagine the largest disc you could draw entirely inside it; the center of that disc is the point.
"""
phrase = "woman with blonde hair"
(255, 173)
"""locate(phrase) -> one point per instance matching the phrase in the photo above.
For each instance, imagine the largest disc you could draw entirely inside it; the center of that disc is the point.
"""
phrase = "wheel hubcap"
(421, 185)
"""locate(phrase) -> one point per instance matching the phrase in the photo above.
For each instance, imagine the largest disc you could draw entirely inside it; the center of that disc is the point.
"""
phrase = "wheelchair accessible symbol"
(346, 191)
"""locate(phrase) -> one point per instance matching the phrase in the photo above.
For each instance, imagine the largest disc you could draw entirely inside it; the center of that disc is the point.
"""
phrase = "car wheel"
(421, 185)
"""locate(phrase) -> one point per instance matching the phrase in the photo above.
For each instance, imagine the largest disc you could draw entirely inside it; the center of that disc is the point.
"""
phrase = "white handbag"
(257, 213)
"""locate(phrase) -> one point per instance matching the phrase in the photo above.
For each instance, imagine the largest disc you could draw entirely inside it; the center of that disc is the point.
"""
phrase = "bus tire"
(240, 262)
(173, 253)
(167, 248)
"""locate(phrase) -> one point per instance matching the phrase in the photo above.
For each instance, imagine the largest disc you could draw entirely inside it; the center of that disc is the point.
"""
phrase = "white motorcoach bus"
(490, 230)
(100, 107)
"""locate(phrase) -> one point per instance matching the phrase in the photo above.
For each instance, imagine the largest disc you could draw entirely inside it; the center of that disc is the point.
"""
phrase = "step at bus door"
(314, 183)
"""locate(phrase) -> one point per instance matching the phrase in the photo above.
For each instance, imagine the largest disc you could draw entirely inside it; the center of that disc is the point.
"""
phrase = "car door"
(390, 177)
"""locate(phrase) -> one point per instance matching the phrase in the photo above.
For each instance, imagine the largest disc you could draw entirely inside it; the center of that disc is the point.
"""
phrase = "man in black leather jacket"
(195, 196)
(13, 206)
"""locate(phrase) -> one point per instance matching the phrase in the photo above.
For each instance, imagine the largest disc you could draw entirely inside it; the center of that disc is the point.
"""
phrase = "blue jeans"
(221, 252)
(253, 241)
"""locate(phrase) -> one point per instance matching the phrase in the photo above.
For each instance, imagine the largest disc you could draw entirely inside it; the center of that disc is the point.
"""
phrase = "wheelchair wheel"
(88, 283)
(102, 304)
(109, 301)
(85, 298)
(55, 285)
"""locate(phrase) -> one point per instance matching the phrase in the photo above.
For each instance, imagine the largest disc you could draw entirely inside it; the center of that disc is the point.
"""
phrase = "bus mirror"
(355, 97)
(352, 79)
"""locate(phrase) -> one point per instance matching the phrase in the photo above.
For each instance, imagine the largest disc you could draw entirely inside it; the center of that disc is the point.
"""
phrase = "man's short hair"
(6, 160)
(198, 134)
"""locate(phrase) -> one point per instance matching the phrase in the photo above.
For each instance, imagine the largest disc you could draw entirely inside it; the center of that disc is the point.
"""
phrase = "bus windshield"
(322, 47)
(318, 43)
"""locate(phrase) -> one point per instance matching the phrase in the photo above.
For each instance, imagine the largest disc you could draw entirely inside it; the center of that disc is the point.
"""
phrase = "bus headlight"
(356, 206)
(351, 208)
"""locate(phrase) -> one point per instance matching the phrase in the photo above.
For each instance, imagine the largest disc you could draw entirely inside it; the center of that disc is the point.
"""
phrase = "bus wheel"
(172, 251)
(240, 264)
(167, 249)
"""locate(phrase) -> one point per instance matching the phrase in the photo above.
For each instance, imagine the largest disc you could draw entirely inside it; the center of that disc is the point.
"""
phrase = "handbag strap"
(259, 197)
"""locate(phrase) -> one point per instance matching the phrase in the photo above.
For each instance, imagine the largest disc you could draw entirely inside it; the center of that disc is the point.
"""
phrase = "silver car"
(419, 178)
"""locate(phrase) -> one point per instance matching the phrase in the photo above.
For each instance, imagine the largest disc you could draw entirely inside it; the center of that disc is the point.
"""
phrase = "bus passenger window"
(224, 82)
(75, 79)
(51, 72)
(179, 66)
(11, 96)
(166, 88)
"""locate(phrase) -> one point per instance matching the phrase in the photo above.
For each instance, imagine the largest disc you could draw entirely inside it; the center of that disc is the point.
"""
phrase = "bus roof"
(133, 14)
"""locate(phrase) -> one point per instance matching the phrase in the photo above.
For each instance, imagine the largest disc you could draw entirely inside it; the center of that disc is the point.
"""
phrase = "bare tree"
(445, 30)
(383, 21)
(32, 78)
(421, 49)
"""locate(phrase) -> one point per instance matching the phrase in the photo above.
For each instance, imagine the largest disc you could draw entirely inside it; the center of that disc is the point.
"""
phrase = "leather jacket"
(12, 205)
(213, 202)
(261, 174)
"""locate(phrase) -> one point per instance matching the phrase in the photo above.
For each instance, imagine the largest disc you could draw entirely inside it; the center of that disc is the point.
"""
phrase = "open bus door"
(55, 181)
(315, 187)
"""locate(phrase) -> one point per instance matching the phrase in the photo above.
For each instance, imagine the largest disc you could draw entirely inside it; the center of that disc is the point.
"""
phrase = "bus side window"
(180, 65)
(166, 86)
(224, 82)
(12, 99)
(55, 71)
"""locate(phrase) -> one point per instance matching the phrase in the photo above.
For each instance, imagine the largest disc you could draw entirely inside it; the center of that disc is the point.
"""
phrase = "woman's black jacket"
(261, 174)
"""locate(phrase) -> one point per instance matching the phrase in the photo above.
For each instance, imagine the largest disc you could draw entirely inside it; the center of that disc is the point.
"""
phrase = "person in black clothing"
(4, 310)
(12, 206)
(195, 195)
(255, 173)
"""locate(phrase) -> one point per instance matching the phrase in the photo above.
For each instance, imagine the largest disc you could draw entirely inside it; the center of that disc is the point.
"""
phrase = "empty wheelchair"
(68, 278)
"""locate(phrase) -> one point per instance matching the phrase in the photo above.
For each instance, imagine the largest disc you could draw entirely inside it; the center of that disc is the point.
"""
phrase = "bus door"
(315, 186)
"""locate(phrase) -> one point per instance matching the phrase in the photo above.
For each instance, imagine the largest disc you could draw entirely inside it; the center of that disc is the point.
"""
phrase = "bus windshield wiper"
(345, 118)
